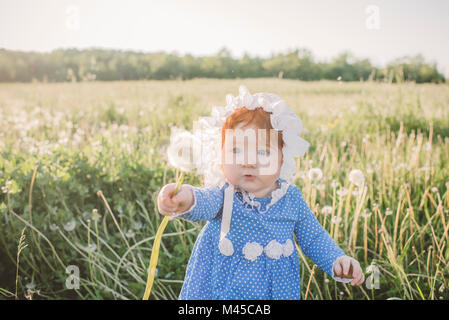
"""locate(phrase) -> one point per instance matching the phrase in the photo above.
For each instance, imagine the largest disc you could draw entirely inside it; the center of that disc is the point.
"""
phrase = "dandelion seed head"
(181, 151)
(365, 139)
(30, 285)
(326, 210)
(366, 213)
(315, 174)
(86, 215)
(137, 225)
(336, 219)
(70, 226)
(356, 177)
(334, 184)
(321, 186)
(130, 234)
(342, 192)
(91, 248)
(400, 166)
(95, 215)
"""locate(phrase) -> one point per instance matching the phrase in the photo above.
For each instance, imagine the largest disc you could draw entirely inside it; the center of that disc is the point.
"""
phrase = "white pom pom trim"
(225, 246)
(287, 248)
(274, 250)
(252, 250)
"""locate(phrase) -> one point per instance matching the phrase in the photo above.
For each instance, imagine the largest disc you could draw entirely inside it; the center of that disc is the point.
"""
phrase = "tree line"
(107, 65)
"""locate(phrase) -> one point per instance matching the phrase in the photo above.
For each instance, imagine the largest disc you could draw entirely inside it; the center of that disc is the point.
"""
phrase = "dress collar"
(250, 201)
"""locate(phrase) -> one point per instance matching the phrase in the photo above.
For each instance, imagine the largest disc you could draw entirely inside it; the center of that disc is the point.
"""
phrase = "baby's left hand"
(349, 268)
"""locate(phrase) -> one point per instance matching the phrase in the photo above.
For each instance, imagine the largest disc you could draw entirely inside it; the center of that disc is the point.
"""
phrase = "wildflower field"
(81, 165)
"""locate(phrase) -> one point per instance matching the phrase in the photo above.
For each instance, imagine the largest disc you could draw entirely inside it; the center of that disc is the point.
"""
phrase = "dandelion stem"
(22, 245)
(157, 242)
(100, 194)
(310, 280)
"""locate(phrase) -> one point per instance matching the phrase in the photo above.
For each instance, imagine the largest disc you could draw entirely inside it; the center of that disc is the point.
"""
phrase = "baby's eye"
(235, 150)
(263, 152)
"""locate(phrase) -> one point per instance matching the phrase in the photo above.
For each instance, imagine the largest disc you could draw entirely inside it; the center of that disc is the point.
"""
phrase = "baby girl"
(246, 249)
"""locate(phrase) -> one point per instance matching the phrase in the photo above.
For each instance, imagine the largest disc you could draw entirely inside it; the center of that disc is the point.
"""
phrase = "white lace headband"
(207, 132)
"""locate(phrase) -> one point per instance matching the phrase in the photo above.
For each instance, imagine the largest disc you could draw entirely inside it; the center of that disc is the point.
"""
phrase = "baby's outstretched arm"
(349, 268)
(317, 244)
(191, 203)
(168, 203)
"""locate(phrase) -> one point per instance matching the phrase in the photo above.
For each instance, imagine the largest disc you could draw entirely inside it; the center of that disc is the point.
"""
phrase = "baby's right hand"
(169, 204)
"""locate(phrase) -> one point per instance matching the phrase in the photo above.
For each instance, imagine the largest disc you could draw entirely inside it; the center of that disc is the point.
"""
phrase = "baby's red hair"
(259, 117)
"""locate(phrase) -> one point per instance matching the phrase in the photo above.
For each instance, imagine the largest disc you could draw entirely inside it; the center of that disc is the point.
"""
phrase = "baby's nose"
(249, 160)
(248, 165)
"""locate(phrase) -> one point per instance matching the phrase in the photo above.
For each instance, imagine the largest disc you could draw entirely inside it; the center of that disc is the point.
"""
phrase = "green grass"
(79, 138)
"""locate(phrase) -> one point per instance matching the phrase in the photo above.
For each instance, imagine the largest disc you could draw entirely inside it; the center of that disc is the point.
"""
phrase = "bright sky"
(380, 30)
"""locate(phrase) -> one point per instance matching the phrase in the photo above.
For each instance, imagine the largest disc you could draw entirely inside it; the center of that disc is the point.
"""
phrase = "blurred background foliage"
(107, 65)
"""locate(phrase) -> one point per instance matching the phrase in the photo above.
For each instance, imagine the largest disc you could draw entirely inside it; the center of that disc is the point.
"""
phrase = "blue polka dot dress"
(263, 263)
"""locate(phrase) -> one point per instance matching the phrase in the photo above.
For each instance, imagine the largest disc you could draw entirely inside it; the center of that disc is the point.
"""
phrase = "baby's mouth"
(249, 176)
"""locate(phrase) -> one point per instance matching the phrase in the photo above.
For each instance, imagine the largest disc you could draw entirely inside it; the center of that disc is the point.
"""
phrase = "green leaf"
(407, 245)
(420, 292)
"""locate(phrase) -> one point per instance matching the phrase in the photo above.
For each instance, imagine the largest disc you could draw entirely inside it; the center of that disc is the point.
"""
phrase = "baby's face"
(249, 163)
